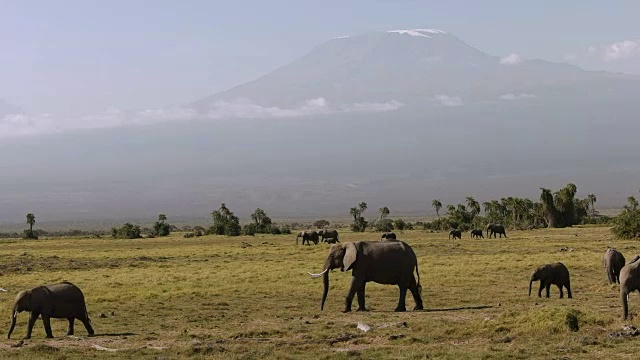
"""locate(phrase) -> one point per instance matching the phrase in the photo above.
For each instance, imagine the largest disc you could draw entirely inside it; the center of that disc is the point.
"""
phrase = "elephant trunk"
(325, 290)
(14, 316)
(530, 282)
(625, 305)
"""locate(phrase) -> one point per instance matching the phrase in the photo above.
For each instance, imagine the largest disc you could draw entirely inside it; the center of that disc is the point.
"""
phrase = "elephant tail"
(418, 274)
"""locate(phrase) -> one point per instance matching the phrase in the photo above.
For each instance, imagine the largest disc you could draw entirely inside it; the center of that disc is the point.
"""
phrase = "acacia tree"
(31, 220)
(592, 202)
(225, 222)
(437, 205)
(262, 221)
(359, 223)
(384, 212)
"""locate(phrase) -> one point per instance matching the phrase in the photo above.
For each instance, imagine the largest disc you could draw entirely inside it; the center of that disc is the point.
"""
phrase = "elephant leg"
(32, 320)
(547, 287)
(70, 331)
(540, 289)
(361, 304)
(561, 292)
(46, 320)
(402, 301)
(413, 287)
(87, 324)
(568, 286)
(355, 287)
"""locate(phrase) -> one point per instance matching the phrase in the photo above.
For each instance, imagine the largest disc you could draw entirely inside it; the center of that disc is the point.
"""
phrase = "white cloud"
(447, 100)
(568, 57)
(511, 59)
(621, 50)
(520, 96)
(21, 124)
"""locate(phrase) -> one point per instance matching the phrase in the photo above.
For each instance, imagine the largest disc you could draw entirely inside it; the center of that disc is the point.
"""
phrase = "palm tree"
(592, 201)
(384, 212)
(162, 218)
(473, 205)
(31, 220)
(437, 205)
(362, 206)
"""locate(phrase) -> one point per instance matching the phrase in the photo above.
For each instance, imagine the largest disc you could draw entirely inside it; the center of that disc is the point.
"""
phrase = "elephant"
(308, 236)
(493, 229)
(613, 262)
(383, 262)
(328, 234)
(551, 274)
(629, 282)
(59, 301)
(455, 233)
(477, 233)
(331, 241)
(388, 236)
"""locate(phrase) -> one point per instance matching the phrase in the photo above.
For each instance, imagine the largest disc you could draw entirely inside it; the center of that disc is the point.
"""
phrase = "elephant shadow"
(115, 334)
(479, 307)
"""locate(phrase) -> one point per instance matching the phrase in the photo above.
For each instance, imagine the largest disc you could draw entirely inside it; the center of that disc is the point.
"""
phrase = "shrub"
(627, 224)
(126, 231)
(225, 222)
(400, 224)
(275, 230)
(249, 229)
(319, 224)
(285, 230)
(30, 234)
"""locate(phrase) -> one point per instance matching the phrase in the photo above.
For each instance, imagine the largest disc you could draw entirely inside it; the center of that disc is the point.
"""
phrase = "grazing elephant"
(551, 274)
(308, 236)
(455, 233)
(629, 282)
(613, 262)
(328, 234)
(58, 301)
(386, 262)
(388, 236)
(331, 241)
(493, 229)
(477, 233)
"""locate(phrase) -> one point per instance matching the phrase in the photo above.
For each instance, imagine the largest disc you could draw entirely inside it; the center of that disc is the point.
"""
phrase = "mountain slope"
(6, 108)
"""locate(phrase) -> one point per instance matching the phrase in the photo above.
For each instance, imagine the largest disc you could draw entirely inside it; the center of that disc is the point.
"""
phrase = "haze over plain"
(393, 115)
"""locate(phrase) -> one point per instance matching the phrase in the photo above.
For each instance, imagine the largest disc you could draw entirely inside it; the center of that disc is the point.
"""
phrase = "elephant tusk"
(318, 275)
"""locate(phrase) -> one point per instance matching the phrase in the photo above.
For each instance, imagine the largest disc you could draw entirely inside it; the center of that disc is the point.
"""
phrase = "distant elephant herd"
(492, 230)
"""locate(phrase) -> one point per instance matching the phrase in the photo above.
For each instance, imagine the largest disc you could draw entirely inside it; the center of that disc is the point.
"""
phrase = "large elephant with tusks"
(382, 262)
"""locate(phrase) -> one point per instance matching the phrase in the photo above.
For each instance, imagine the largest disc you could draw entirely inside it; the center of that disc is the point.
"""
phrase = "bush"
(30, 234)
(275, 230)
(319, 224)
(627, 224)
(400, 224)
(249, 229)
(285, 230)
(126, 231)
(384, 225)
(160, 229)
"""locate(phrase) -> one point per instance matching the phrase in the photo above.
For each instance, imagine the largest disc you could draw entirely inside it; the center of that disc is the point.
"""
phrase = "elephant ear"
(350, 256)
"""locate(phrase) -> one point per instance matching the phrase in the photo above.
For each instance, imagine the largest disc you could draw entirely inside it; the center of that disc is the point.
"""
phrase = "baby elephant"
(629, 282)
(613, 262)
(457, 234)
(551, 274)
(477, 233)
(59, 301)
(388, 236)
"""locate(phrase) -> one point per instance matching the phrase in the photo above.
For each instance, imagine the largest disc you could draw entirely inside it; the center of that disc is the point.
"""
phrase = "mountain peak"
(418, 32)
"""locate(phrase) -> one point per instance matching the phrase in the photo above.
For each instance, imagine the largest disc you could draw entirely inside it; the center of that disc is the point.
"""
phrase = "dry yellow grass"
(251, 297)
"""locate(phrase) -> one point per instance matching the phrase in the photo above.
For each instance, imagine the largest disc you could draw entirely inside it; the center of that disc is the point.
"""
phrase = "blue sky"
(76, 57)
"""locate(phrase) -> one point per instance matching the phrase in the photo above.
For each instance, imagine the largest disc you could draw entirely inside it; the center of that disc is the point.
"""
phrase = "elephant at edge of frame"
(59, 301)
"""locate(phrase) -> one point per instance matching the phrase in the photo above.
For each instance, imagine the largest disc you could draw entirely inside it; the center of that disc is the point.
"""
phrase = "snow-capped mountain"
(409, 66)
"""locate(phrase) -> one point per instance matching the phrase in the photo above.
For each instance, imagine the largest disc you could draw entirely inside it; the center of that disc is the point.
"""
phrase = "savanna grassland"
(251, 297)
